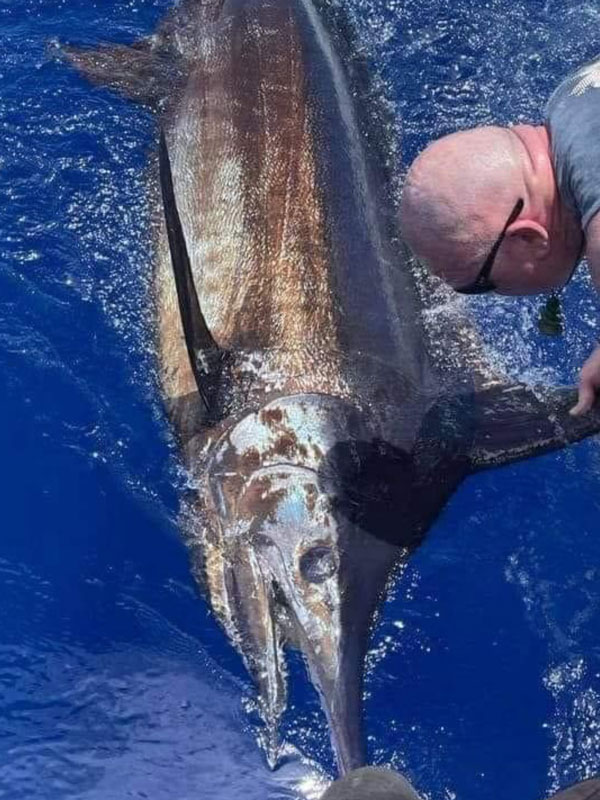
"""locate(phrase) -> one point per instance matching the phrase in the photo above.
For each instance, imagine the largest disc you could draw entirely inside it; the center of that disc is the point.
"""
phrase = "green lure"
(551, 320)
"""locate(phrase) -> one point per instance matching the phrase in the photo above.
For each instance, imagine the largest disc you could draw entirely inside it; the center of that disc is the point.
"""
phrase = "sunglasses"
(482, 282)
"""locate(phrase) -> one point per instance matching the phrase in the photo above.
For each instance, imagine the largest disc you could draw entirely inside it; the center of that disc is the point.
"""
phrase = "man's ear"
(529, 233)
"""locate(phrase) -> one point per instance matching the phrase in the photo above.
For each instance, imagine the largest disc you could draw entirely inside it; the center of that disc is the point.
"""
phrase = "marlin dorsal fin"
(202, 349)
(516, 421)
(586, 790)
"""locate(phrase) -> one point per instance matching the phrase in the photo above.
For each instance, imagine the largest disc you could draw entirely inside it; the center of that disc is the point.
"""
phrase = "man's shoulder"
(592, 248)
(573, 122)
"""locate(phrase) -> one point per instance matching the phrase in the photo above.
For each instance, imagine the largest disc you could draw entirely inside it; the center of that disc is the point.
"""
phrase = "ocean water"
(483, 677)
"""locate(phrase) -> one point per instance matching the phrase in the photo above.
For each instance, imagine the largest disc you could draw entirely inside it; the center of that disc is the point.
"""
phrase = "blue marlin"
(327, 399)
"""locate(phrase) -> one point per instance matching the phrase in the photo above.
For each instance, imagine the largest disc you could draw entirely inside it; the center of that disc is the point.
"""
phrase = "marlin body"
(325, 411)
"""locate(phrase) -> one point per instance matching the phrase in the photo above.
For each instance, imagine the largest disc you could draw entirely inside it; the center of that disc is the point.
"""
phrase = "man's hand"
(589, 377)
(589, 384)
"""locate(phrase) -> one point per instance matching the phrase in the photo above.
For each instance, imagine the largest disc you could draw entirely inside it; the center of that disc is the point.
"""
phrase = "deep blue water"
(115, 682)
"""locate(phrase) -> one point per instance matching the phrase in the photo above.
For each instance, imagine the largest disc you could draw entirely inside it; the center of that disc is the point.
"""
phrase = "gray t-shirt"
(573, 120)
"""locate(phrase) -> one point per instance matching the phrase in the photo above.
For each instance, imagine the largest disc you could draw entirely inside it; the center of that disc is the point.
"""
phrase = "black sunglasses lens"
(481, 288)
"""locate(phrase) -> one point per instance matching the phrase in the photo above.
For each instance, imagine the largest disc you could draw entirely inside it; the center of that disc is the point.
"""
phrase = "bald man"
(512, 210)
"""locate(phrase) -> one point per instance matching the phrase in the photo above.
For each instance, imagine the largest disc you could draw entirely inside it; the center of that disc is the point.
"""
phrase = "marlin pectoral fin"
(135, 71)
(586, 790)
(203, 351)
(517, 421)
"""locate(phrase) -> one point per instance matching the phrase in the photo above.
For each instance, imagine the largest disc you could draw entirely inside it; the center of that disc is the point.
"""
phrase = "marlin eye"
(318, 564)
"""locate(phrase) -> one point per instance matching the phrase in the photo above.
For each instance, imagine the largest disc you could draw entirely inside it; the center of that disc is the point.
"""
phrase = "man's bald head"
(457, 196)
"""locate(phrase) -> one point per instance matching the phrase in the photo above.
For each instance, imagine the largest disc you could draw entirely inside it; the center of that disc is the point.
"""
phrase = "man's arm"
(592, 248)
(589, 377)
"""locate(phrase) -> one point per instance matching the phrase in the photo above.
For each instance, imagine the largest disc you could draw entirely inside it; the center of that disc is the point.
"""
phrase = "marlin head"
(288, 559)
